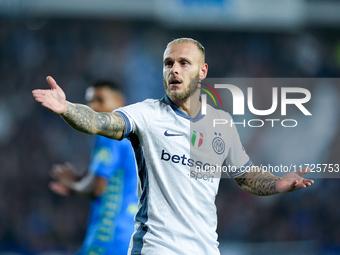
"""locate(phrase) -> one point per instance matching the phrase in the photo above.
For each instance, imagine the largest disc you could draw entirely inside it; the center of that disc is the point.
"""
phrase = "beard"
(188, 91)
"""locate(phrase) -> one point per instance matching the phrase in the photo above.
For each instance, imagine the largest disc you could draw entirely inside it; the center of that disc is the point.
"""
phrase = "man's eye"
(97, 100)
(168, 64)
(184, 63)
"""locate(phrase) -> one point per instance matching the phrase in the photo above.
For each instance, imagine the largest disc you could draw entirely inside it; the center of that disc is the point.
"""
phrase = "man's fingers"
(293, 181)
(303, 183)
(59, 188)
(38, 92)
(51, 82)
(53, 99)
(292, 186)
(307, 182)
(44, 101)
(57, 170)
(43, 92)
(39, 95)
(39, 99)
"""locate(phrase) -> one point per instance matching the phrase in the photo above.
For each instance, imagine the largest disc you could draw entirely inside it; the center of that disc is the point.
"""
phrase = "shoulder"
(138, 116)
(218, 113)
(146, 105)
(143, 111)
(221, 120)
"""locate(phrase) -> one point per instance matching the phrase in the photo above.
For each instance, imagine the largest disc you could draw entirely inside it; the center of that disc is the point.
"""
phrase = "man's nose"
(175, 69)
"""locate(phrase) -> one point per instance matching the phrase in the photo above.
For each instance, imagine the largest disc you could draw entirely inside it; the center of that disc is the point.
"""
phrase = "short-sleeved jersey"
(111, 220)
(177, 212)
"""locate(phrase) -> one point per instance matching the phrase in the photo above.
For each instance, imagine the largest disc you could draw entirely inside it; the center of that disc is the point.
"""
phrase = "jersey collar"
(179, 112)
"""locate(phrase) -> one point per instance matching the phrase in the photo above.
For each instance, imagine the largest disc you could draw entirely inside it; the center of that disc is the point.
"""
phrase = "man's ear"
(203, 71)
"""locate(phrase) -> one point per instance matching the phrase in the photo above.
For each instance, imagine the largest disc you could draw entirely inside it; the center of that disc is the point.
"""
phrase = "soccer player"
(177, 213)
(111, 182)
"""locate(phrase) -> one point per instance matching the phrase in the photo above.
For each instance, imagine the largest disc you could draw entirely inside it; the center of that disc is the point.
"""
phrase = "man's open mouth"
(174, 82)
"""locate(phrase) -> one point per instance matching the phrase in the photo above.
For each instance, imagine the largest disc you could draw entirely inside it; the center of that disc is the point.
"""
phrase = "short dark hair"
(107, 83)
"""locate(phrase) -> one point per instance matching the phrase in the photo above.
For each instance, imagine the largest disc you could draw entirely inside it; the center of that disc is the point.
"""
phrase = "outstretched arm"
(262, 183)
(78, 116)
(84, 119)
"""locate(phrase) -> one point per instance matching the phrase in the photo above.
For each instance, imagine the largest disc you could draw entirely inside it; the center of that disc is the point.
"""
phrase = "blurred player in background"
(111, 182)
(177, 212)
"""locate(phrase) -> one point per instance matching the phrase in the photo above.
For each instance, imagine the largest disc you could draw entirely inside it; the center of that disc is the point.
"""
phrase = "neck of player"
(190, 106)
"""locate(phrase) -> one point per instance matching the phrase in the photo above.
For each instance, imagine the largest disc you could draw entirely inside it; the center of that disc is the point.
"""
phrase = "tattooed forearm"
(110, 125)
(84, 119)
(80, 117)
(258, 182)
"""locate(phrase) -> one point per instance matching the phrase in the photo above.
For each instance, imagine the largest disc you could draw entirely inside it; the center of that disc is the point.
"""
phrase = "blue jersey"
(111, 221)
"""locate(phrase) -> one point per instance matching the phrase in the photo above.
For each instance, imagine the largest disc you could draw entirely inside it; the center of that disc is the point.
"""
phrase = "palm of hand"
(53, 99)
(57, 99)
(293, 181)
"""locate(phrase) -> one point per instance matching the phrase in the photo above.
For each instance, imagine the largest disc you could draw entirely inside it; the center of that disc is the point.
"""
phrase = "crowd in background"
(75, 53)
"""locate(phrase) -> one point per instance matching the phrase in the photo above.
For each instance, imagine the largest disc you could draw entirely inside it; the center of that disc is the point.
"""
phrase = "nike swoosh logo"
(167, 134)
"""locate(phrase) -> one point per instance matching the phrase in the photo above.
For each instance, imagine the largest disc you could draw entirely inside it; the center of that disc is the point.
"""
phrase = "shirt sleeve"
(138, 116)
(237, 159)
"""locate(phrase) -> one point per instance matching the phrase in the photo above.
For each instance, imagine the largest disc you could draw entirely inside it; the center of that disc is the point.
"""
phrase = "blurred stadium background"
(80, 41)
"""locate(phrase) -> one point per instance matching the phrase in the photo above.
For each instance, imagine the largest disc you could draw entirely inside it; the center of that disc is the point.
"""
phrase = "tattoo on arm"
(111, 125)
(84, 119)
(258, 182)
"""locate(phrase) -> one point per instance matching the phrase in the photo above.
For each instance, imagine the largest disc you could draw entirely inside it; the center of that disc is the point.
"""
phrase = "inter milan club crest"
(218, 144)
(196, 139)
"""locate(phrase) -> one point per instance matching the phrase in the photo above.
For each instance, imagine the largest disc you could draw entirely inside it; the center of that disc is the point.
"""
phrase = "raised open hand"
(53, 99)
(293, 181)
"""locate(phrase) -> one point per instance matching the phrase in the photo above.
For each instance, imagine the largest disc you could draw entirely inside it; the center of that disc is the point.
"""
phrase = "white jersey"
(177, 212)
